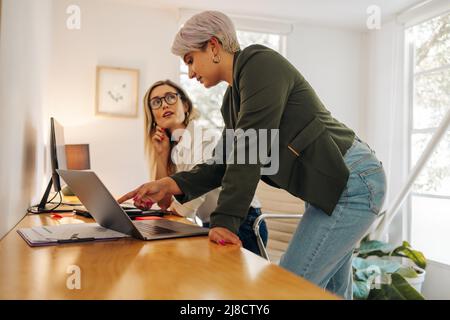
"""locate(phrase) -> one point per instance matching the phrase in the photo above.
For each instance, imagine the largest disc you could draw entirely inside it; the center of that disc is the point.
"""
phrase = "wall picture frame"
(117, 91)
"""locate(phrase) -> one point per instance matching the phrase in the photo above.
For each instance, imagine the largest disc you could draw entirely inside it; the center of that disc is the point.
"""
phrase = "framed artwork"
(117, 92)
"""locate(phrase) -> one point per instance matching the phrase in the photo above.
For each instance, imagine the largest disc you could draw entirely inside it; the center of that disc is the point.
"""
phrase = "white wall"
(332, 60)
(111, 34)
(25, 47)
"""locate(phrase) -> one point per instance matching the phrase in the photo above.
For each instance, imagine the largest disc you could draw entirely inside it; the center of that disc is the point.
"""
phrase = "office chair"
(288, 232)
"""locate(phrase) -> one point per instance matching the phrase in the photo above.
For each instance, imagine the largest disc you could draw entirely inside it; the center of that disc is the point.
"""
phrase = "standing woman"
(174, 142)
(320, 159)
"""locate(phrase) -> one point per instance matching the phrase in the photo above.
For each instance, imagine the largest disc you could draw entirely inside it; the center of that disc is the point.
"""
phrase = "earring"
(216, 59)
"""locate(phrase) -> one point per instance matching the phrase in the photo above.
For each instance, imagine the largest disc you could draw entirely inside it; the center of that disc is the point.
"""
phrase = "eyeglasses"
(170, 98)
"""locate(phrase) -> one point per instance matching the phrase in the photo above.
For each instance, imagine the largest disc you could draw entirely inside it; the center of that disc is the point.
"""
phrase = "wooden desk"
(187, 268)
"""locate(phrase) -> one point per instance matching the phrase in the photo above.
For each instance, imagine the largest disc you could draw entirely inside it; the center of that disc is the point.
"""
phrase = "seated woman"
(174, 142)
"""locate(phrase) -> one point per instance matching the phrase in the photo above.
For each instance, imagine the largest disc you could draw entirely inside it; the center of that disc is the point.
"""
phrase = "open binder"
(68, 233)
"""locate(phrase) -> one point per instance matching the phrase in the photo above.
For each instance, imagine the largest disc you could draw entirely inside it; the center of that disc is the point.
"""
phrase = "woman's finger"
(128, 196)
(144, 202)
(149, 191)
(223, 236)
(158, 137)
(163, 133)
(223, 240)
(165, 202)
(160, 130)
(143, 205)
(228, 235)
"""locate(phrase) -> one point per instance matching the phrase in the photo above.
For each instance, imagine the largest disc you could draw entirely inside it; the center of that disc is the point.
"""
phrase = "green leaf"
(363, 279)
(399, 289)
(407, 272)
(359, 263)
(374, 246)
(406, 251)
(385, 265)
(361, 290)
(368, 274)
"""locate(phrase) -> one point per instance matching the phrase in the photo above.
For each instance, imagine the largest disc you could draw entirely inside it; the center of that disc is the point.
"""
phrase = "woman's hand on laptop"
(159, 191)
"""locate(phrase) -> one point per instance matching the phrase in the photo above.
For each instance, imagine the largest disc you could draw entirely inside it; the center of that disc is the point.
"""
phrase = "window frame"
(410, 77)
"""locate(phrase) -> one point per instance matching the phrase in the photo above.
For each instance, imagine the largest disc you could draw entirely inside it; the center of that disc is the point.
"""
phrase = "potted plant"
(382, 271)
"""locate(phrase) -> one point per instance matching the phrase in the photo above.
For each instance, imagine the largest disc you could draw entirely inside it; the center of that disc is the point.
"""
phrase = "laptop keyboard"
(152, 230)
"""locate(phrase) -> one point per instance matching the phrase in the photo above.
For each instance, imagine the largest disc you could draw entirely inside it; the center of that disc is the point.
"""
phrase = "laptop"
(109, 214)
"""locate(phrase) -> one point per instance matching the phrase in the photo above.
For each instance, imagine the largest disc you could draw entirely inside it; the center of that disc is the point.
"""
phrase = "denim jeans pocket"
(375, 180)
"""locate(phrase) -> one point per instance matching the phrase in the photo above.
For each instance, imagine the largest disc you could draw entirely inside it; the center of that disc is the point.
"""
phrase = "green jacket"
(268, 92)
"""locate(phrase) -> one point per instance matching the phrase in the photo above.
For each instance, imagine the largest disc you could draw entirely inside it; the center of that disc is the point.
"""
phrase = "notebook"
(68, 233)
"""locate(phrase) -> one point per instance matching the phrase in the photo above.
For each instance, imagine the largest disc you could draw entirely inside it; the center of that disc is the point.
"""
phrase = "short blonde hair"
(200, 28)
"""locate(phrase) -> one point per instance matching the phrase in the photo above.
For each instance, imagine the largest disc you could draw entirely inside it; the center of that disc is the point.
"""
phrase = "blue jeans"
(246, 233)
(322, 247)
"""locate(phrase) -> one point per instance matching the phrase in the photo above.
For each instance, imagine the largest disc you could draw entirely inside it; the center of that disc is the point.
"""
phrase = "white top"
(196, 146)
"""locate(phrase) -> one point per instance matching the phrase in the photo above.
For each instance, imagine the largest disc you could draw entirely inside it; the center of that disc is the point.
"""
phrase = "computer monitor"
(58, 161)
(57, 152)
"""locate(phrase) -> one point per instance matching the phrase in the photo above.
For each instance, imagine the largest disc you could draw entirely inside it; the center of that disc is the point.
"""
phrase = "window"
(429, 203)
(209, 101)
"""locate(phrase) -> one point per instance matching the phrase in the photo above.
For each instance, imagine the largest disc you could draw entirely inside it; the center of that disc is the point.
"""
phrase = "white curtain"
(386, 116)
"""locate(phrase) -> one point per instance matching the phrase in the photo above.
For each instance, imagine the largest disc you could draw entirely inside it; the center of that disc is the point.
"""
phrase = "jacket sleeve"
(264, 82)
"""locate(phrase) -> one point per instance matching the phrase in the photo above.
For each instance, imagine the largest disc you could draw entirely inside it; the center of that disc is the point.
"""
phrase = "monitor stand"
(44, 199)
(44, 206)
